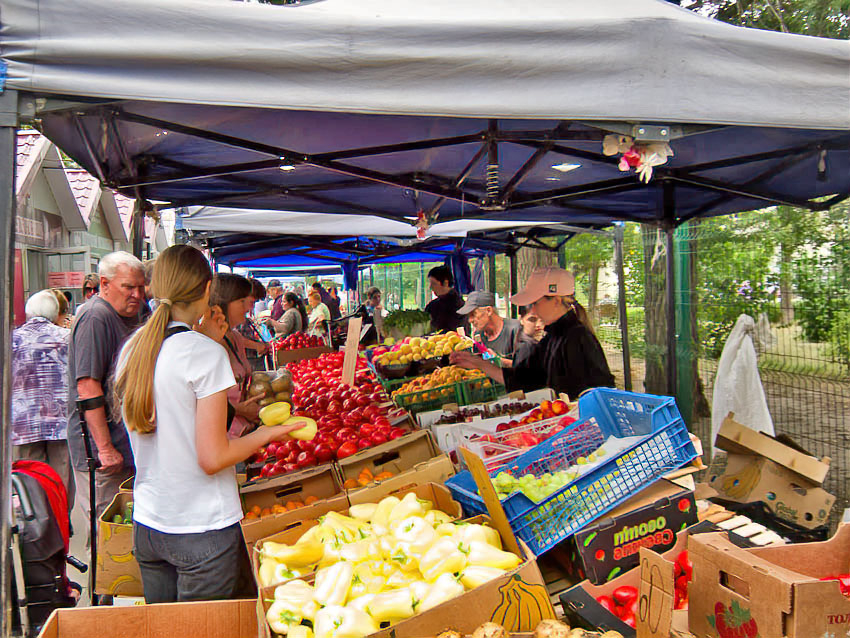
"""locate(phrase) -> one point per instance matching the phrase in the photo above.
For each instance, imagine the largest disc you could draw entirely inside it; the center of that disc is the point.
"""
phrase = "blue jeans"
(181, 567)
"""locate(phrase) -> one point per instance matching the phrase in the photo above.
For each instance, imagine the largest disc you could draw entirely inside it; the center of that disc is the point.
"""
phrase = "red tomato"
(377, 437)
(607, 603)
(324, 453)
(396, 433)
(625, 594)
(306, 459)
(363, 443)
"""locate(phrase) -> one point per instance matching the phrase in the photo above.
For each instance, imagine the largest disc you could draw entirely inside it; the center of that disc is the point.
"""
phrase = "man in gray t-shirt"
(499, 335)
(100, 329)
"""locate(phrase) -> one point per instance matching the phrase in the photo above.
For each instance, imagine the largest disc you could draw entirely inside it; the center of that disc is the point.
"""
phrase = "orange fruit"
(310, 500)
(350, 484)
(256, 509)
(250, 516)
(265, 512)
(363, 480)
(366, 473)
(383, 476)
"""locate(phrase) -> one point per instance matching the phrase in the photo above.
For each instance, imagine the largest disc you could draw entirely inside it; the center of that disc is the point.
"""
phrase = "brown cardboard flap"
(320, 482)
(815, 560)
(396, 456)
(739, 439)
(218, 619)
(727, 575)
(656, 597)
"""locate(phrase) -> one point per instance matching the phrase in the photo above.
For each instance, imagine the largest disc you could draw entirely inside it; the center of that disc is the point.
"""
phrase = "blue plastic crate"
(664, 446)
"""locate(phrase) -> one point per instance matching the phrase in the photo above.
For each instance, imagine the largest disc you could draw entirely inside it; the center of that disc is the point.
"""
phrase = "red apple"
(363, 443)
(324, 453)
(396, 433)
(346, 449)
(306, 459)
(377, 437)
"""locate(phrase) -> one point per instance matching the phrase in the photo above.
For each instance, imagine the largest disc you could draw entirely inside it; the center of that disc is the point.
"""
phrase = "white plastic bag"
(737, 385)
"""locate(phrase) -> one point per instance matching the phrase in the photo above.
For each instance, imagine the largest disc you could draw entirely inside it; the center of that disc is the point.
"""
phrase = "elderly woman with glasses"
(568, 358)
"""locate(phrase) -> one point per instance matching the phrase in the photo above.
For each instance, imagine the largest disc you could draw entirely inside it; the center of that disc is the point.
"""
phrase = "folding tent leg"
(621, 306)
(8, 139)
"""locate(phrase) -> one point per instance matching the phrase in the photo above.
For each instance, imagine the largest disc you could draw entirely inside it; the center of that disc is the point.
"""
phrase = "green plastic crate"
(430, 399)
(480, 390)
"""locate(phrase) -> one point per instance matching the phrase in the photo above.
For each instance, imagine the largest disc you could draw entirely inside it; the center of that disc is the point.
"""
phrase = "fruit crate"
(661, 445)
(430, 399)
(479, 390)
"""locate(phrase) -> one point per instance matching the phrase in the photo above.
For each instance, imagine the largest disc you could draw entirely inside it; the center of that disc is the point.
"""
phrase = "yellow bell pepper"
(300, 631)
(360, 551)
(436, 517)
(294, 556)
(419, 589)
(308, 430)
(444, 589)
(361, 602)
(271, 572)
(400, 578)
(400, 557)
(476, 575)
(381, 515)
(391, 606)
(295, 594)
(335, 621)
(415, 533)
(410, 505)
(280, 620)
(275, 413)
(443, 557)
(333, 583)
(485, 555)
(363, 512)
(471, 532)
(446, 529)
(366, 580)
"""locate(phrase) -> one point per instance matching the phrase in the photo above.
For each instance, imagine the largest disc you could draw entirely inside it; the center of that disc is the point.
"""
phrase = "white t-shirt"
(171, 493)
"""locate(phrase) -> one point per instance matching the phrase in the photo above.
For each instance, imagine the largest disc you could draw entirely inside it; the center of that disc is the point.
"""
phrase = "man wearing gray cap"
(502, 336)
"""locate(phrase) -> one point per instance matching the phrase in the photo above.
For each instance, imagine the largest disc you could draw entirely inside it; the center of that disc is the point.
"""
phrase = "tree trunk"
(592, 294)
(530, 258)
(655, 307)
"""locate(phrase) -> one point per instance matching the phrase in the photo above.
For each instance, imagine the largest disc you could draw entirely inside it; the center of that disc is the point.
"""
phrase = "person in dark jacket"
(568, 359)
(444, 308)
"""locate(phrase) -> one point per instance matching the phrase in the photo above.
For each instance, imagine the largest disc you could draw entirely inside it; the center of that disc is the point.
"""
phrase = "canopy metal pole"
(669, 212)
(8, 140)
(619, 232)
(512, 260)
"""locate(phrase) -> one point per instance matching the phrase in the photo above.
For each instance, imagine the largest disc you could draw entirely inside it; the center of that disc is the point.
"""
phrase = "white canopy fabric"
(571, 59)
(276, 222)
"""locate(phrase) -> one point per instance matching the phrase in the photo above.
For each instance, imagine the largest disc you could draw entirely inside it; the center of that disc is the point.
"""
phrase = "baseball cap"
(274, 283)
(477, 299)
(545, 281)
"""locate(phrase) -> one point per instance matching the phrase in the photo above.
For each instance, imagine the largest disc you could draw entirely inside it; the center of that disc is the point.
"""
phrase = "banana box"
(117, 570)
(517, 600)
(760, 468)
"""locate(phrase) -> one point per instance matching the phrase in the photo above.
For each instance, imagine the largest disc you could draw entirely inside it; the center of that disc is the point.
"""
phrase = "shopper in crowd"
(294, 317)
(326, 298)
(533, 330)
(40, 387)
(172, 383)
(64, 317)
(569, 358)
(150, 303)
(320, 315)
(260, 305)
(275, 291)
(373, 301)
(232, 294)
(101, 326)
(333, 303)
(443, 309)
(499, 336)
(91, 285)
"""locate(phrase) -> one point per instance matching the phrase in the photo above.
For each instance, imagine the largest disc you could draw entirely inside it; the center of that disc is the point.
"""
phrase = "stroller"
(41, 536)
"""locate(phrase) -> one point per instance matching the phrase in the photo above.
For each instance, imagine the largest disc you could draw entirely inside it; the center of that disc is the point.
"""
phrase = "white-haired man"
(40, 388)
(101, 327)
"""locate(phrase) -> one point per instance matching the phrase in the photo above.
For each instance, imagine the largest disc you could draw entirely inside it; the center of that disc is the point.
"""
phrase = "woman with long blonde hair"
(172, 384)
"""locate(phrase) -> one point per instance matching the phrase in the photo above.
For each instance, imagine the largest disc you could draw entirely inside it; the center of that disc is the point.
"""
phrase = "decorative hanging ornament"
(641, 156)
(423, 223)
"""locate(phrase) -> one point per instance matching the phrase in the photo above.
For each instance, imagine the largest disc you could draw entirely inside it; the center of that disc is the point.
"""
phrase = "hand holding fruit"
(249, 408)
(465, 359)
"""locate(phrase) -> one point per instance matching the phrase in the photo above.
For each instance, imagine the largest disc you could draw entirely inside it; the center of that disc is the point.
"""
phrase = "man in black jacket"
(444, 308)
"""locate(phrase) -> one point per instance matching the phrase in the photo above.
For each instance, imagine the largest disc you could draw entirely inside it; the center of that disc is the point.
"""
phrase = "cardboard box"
(777, 588)
(518, 601)
(610, 546)
(394, 456)
(290, 356)
(218, 619)
(320, 481)
(127, 486)
(736, 438)
(760, 468)
(579, 602)
(435, 470)
(254, 530)
(657, 616)
(745, 478)
(117, 570)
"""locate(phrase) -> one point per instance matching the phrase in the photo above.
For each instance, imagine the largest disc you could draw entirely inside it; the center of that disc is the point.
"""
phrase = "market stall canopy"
(212, 218)
(481, 109)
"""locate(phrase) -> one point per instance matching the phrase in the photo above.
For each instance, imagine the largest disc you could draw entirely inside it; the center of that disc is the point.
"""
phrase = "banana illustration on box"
(742, 483)
(522, 606)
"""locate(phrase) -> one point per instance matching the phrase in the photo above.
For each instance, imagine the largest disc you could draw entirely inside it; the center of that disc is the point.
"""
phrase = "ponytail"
(180, 276)
(581, 314)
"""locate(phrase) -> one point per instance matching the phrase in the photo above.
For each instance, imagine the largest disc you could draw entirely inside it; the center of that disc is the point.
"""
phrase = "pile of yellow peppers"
(382, 563)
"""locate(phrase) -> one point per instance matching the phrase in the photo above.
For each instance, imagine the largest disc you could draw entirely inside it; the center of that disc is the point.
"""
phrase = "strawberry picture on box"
(733, 621)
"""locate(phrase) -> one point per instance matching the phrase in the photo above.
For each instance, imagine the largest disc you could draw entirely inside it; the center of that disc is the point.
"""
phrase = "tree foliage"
(825, 18)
